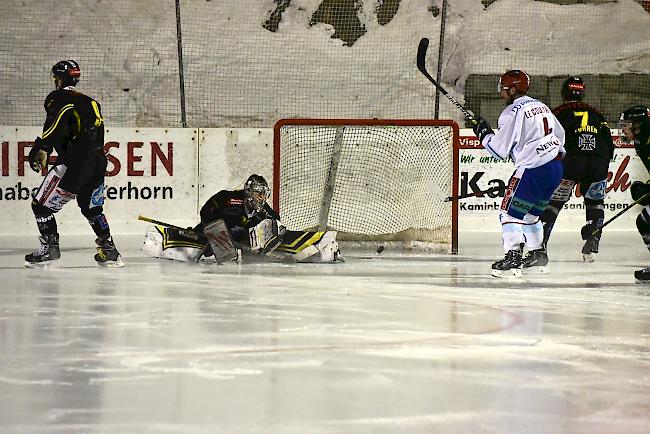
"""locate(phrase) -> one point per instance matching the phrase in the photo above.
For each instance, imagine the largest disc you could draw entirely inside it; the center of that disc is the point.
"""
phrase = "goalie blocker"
(268, 239)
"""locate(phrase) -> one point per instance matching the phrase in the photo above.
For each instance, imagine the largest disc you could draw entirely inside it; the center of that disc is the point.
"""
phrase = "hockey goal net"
(370, 180)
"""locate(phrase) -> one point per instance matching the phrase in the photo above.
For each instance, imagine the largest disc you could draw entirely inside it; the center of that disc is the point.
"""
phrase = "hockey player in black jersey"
(233, 220)
(74, 128)
(239, 209)
(589, 148)
(635, 126)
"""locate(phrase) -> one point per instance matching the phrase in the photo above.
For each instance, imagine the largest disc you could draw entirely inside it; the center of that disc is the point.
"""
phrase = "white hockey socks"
(511, 232)
(534, 235)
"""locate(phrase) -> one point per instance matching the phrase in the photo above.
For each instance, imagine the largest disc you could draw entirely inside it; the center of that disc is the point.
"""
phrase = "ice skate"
(536, 262)
(107, 254)
(642, 276)
(590, 249)
(508, 267)
(47, 255)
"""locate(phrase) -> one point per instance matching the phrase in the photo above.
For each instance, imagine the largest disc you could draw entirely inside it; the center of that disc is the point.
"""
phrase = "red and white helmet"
(516, 79)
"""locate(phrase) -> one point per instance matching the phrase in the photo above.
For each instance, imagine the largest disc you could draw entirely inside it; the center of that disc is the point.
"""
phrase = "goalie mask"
(634, 122)
(257, 191)
(66, 73)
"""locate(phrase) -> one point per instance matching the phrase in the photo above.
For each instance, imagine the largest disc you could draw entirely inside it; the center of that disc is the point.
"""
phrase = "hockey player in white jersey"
(530, 135)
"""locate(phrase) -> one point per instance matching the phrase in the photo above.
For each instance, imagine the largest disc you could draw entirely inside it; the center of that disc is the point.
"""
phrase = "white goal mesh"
(370, 180)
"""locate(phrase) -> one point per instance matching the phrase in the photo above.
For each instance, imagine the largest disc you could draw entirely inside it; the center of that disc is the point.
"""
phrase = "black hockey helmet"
(635, 120)
(67, 71)
(257, 191)
(573, 89)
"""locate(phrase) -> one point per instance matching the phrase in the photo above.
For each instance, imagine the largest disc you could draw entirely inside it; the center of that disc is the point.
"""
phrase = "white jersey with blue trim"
(528, 132)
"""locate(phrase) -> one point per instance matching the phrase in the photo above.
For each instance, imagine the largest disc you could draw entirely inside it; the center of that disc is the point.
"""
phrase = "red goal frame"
(376, 122)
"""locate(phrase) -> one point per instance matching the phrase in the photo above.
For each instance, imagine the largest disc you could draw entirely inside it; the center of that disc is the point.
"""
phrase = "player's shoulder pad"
(58, 99)
(587, 107)
(576, 105)
(52, 99)
(562, 108)
(82, 96)
(230, 198)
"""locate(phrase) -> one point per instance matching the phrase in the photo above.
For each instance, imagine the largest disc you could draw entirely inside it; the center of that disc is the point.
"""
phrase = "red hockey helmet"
(514, 79)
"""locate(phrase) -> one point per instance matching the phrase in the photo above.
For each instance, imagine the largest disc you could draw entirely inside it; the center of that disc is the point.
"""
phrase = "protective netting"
(247, 63)
(369, 182)
(127, 51)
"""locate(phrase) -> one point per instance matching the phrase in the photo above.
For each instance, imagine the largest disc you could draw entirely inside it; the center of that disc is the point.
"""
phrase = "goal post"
(372, 180)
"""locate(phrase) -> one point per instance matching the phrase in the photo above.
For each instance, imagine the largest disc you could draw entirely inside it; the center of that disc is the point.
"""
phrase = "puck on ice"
(380, 248)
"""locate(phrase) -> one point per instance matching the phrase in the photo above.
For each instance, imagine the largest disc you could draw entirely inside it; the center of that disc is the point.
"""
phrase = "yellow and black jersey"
(74, 126)
(587, 132)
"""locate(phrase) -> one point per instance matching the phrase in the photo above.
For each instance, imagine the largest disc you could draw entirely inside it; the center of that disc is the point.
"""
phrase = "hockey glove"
(37, 157)
(273, 242)
(482, 129)
(256, 218)
(638, 189)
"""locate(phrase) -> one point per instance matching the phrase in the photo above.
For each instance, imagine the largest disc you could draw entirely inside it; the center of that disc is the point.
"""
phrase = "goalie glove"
(37, 156)
(275, 241)
(266, 236)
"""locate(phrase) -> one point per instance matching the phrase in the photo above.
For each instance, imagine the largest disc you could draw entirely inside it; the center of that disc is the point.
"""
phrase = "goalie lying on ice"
(240, 221)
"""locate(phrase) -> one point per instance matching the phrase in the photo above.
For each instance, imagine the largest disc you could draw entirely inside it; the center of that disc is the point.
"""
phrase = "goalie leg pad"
(306, 246)
(326, 249)
(167, 243)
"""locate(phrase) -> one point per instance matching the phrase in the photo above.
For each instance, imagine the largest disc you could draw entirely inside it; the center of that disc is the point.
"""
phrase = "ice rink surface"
(390, 343)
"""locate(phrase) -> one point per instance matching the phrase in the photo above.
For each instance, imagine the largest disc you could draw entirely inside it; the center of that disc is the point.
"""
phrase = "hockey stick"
(474, 194)
(421, 62)
(157, 222)
(621, 212)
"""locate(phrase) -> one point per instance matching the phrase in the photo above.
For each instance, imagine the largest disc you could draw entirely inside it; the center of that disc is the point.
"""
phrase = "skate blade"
(112, 264)
(45, 264)
(588, 257)
(639, 277)
(538, 269)
(513, 273)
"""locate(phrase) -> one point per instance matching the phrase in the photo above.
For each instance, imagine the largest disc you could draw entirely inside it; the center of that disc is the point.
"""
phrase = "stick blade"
(422, 54)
